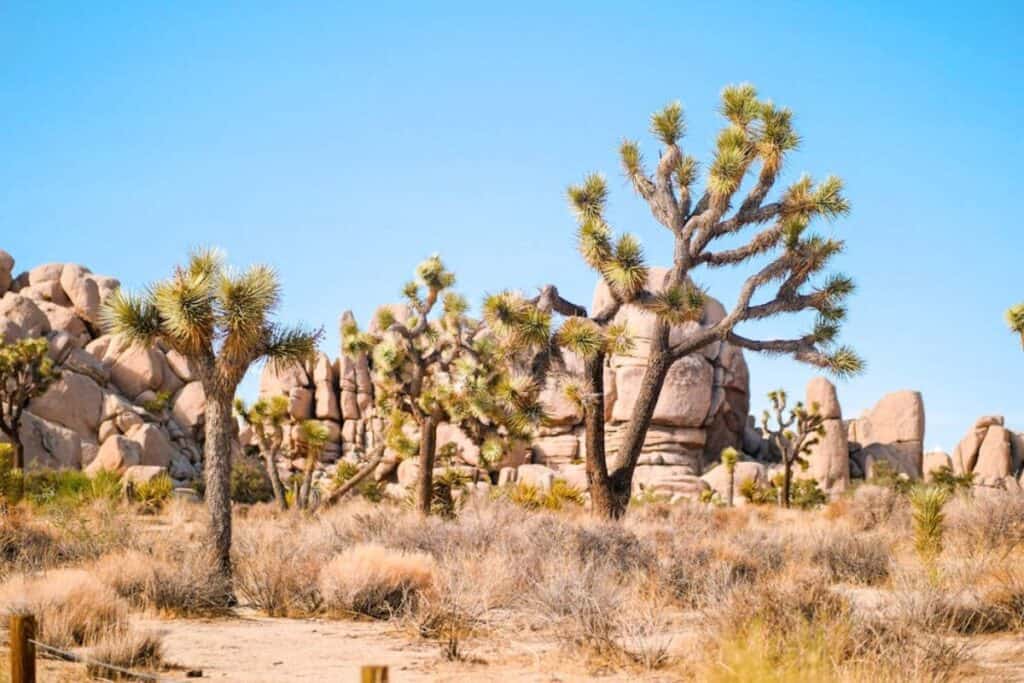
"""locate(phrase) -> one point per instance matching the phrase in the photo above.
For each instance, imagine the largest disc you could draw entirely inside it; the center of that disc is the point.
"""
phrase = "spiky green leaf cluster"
(1015, 320)
(518, 323)
(589, 198)
(668, 124)
(678, 304)
(582, 336)
(626, 271)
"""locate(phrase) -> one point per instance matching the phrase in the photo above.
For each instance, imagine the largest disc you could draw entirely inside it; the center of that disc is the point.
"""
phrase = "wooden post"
(375, 674)
(23, 650)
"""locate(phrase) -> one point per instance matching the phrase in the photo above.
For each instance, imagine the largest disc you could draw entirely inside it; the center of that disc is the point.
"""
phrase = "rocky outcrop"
(991, 452)
(108, 390)
(891, 431)
(829, 459)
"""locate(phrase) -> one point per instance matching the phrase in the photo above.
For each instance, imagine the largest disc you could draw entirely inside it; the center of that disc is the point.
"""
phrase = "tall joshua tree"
(706, 224)
(1015, 319)
(794, 435)
(446, 368)
(220, 319)
(26, 371)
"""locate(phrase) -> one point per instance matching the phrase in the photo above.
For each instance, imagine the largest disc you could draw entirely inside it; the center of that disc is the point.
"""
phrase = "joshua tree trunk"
(307, 482)
(602, 500)
(377, 455)
(14, 435)
(636, 429)
(787, 478)
(732, 485)
(270, 462)
(428, 450)
(217, 455)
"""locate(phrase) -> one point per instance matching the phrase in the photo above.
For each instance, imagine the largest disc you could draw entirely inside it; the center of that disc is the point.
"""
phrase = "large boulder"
(82, 290)
(142, 474)
(74, 401)
(155, 448)
(117, 454)
(24, 313)
(892, 431)
(48, 445)
(829, 459)
(138, 369)
(6, 271)
(189, 406)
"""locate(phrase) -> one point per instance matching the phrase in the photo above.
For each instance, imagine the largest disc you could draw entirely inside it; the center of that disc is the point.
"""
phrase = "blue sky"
(344, 142)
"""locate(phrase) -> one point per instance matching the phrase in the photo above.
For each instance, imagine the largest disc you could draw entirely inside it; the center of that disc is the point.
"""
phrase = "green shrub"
(803, 493)
(532, 497)
(249, 482)
(158, 404)
(952, 483)
(154, 493)
(884, 474)
(70, 489)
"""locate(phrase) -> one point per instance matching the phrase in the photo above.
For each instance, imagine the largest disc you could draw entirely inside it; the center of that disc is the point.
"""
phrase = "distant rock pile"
(115, 407)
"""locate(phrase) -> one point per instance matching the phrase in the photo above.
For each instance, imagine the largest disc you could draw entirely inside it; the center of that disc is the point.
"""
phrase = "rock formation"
(992, 453)
(829, 459)
(115, 406)
(892, 431)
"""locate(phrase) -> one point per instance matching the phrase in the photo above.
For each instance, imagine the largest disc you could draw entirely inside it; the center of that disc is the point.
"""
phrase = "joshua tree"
(311, 440)
(26, 371)
(705, 227)
(221, 320)
(729, 458)
(926, 504)
(1015, 319)
(269, 418)
(447, 369)
(795, 434)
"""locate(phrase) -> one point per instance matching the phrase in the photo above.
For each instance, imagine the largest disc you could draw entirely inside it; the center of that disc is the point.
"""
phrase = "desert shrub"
(580, 607)
(276, 570)
(455, 609)
(885, 475)
(613, 544)
(926, 504)
(69, 489)
(561, 495)
(944, 478)
(24, 544)
(153, 494)
(12, 480)
(179, 583)
(158, 403)
(872, 506)
(991, 522)
(125, 649)
(851, 557)
(72, 606)
(375, 581)
(448, 494)
(249, 482)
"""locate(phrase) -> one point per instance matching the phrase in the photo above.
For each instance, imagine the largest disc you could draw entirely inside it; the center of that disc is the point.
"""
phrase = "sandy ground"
(254, 648)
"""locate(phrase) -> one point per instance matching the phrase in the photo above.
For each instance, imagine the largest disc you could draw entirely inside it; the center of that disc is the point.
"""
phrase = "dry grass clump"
(863, 558)
(871, 506)
(73, 607)
(276, 569)
(125, 649)
(371, 580)
(179, 583)
(993, 521)
(25, 545)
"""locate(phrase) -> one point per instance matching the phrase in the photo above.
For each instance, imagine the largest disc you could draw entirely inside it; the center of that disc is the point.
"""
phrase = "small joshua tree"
(221, 320)
(705, 226)
(730, 456)
(446, 368)
(1015, 319)
(269, 418)
(26, 371)
(311, 440)
(795, 434)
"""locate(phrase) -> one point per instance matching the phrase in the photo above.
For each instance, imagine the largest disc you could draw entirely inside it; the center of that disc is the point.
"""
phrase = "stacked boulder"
(115, 406)
(989, 451)
(829, 459)
(892, 431)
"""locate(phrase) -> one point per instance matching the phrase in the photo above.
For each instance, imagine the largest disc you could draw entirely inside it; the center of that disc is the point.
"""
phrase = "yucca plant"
(221, 320)
(1015, 320)
(436, 364)
(926, 504)
(705, 224)
(730, 456)
(26, 371)
(268, 419)
(794, 434)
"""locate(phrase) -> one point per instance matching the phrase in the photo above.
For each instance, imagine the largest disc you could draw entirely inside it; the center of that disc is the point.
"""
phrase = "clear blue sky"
(343, 142)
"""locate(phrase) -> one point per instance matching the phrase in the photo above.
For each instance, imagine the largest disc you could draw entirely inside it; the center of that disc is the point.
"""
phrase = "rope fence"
(23, 644)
